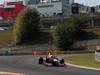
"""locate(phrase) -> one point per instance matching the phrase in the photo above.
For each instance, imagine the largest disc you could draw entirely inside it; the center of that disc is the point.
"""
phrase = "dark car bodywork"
(52, 61)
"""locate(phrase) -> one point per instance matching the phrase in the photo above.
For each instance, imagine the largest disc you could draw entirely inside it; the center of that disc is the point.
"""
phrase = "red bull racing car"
(52, 61)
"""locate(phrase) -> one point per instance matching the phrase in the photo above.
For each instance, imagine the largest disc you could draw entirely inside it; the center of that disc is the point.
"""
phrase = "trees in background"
(26, 27)
(68, 32)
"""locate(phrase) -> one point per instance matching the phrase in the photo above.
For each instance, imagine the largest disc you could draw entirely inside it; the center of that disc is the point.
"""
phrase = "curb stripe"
(11, 73)
(83, 67)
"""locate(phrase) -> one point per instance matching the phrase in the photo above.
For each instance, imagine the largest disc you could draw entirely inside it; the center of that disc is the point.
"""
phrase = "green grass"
(6, 38)
(87, 60)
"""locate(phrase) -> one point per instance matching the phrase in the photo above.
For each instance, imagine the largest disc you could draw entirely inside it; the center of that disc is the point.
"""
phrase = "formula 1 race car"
(52, 61)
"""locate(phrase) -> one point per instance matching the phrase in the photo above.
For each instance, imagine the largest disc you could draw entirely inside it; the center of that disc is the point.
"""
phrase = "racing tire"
(40, 60)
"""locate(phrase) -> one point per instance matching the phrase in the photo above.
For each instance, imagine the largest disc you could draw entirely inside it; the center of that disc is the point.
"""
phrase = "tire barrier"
(36, 50)
(36, 53)
(97, 55)
(27, 49)
(5, 54)
(54, 52)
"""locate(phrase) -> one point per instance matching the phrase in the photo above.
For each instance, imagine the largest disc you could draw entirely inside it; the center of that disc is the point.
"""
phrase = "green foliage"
(26, 27)
(67, 33)
(80, 21)
(64, 36)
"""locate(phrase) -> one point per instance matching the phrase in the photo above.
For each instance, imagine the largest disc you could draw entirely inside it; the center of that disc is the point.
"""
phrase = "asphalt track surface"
(28, 65)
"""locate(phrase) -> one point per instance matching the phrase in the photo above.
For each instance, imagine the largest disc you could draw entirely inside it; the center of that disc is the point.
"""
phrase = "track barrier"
(97, 55)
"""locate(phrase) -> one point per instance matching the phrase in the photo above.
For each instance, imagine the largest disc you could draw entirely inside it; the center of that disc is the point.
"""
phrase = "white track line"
(11, 73)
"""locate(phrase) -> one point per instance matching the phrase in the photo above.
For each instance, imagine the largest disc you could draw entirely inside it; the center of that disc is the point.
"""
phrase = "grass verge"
(87, 60)
(6, 37)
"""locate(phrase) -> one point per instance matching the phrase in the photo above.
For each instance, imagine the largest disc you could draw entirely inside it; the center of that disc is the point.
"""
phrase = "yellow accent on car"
(55, 60)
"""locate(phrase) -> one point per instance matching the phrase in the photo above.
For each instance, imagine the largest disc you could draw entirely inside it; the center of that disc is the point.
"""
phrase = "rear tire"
(41, 60)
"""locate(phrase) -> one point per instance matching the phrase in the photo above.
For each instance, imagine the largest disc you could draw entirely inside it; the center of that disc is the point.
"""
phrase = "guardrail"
(36, 50)
(97, 55)
(86, 43)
